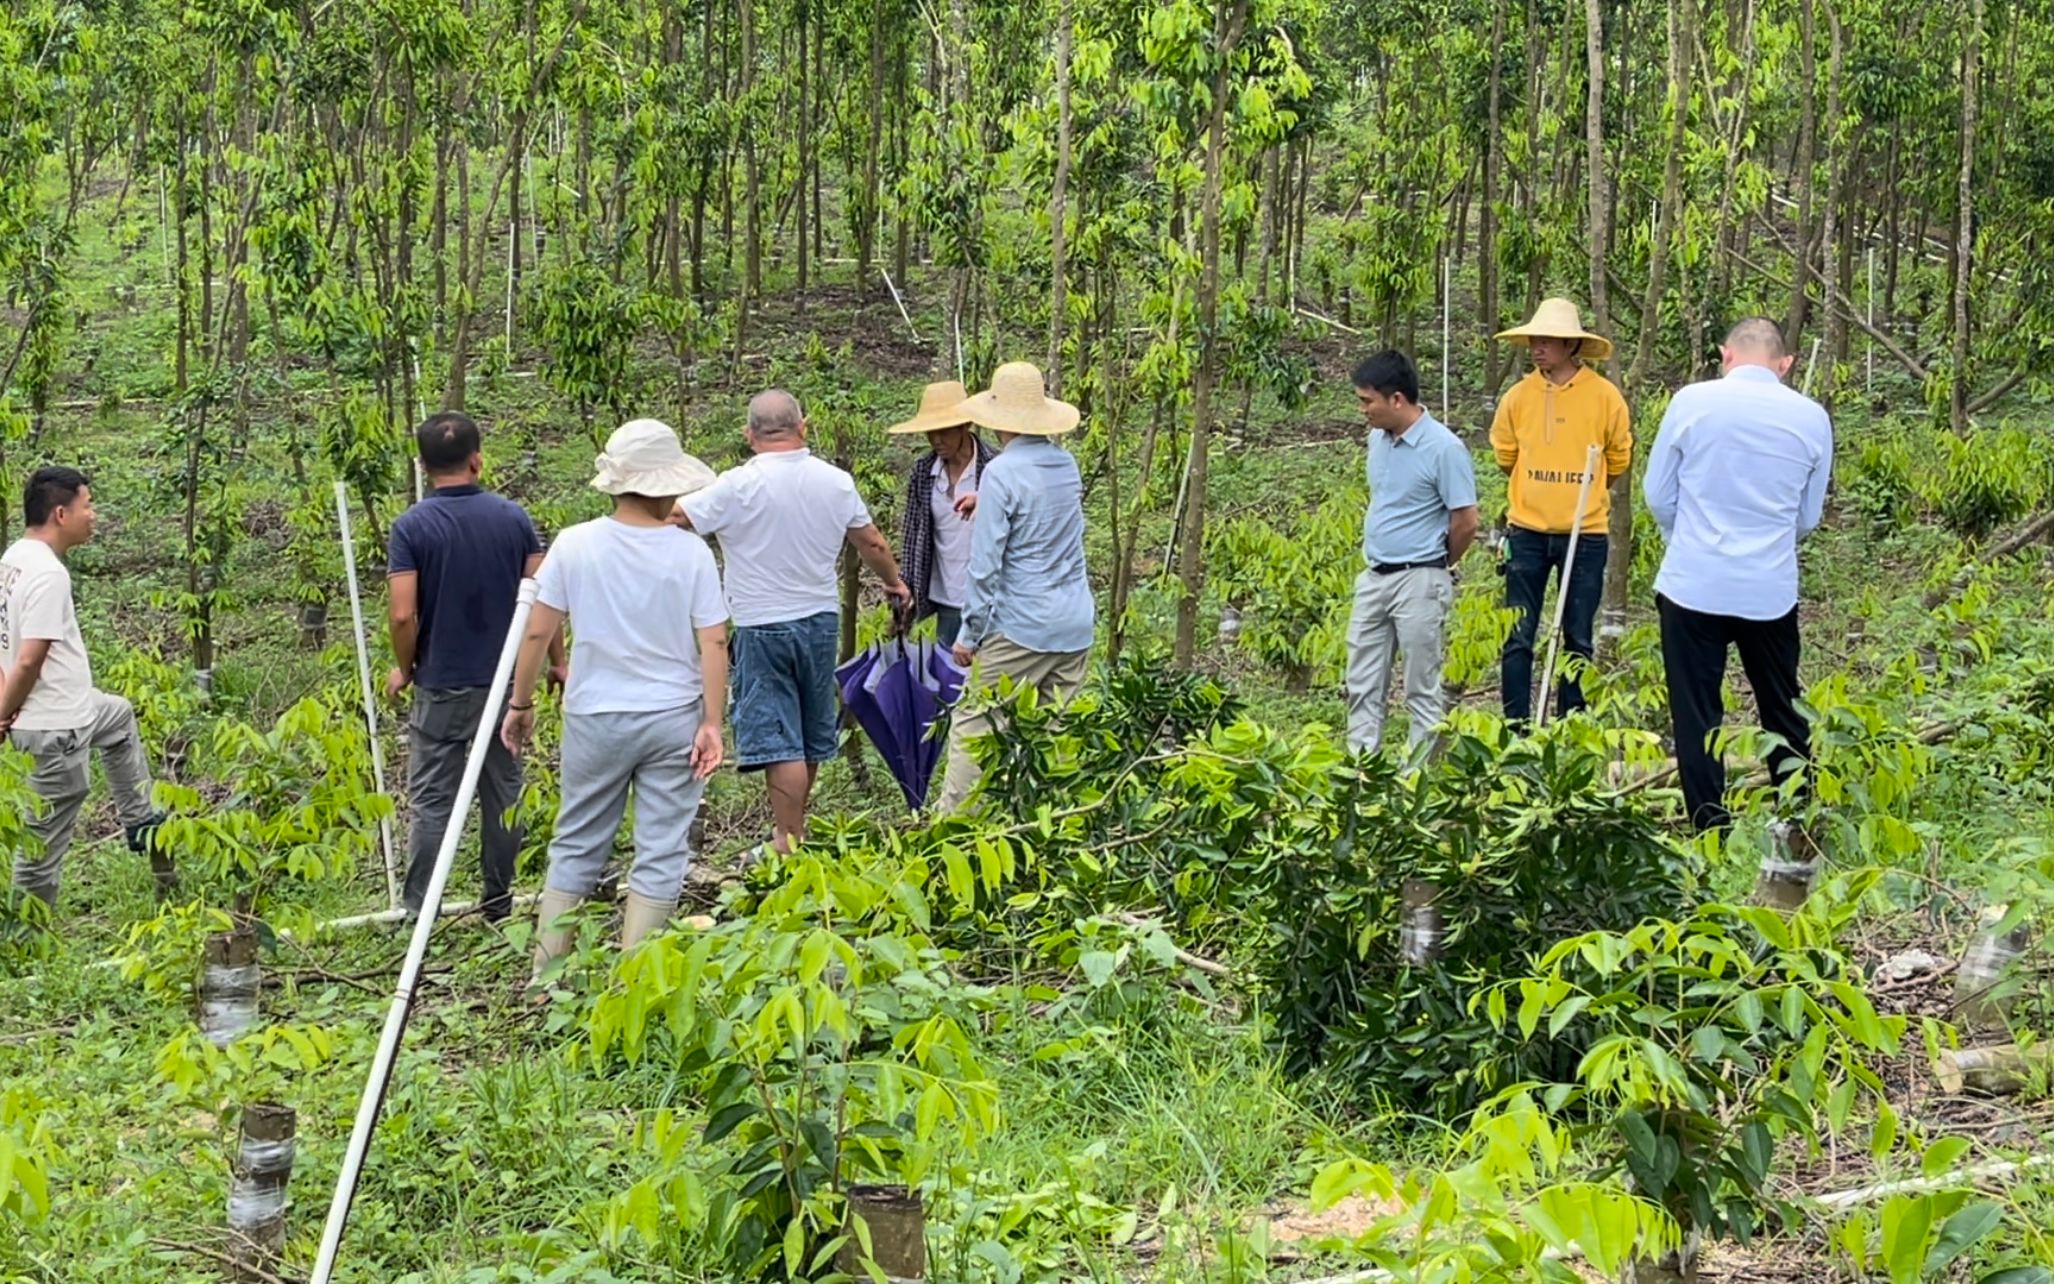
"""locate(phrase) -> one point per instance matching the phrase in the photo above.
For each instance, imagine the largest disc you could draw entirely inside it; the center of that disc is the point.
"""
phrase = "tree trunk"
(867, 202)
(807, 159)
(1058, 204)
(1836, 241)
(1487, 219)
(1600, 286)
(1801, 172)
(1964, 214)
(1191, 569)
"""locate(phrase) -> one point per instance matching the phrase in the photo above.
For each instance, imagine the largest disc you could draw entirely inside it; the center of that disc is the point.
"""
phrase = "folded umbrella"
(898, 691)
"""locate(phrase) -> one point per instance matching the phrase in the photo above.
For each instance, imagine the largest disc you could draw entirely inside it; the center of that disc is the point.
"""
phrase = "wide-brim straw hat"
(643, 457)
(1558, 319)
(1017, 402)
(941, 406)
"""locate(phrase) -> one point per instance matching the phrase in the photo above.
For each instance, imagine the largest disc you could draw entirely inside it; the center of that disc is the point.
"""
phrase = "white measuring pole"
(1811, 363)
(1447, 352)
(1547, 688)
(356, 615)
(410, 971)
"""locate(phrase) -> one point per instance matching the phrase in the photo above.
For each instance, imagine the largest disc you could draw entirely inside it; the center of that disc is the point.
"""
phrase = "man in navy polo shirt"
(456, 565)
(1421, 520)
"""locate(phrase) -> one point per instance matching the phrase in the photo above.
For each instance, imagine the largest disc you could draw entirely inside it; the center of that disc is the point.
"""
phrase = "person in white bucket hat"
(647, 693)
(1030, 617)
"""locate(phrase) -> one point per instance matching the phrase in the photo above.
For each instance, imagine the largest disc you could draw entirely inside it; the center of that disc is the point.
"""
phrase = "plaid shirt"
(916, 554)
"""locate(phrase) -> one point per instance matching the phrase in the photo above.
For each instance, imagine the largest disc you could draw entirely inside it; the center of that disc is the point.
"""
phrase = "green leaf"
(1098, 966)
(1941, 1157)
(1960, 1232)
(1906, 1220)
(1566, 1013)
(728, 1118)
(795, 1244)
(2018, 1275)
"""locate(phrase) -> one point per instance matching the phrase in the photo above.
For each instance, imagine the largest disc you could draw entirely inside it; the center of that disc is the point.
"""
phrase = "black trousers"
(1694, 647)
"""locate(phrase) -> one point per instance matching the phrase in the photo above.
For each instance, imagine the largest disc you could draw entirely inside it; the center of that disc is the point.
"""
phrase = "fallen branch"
(1185, 957)
(2032, 531)
(247, 1269)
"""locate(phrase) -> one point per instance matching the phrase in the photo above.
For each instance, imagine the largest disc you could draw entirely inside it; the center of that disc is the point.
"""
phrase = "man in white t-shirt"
(781, 520)
(48, 707)
(648, 684)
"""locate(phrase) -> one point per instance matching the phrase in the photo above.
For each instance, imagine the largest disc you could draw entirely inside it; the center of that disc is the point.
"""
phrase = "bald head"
(775, 421)
(1756, 341)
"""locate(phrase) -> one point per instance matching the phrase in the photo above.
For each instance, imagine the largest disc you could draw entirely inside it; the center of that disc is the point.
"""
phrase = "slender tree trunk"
(752, 201)
(1191, 568)
(1600, 237)
(1964, 213)
(868, 204)
(1801, 171)
(1487, 221)
(1058, 204)
(807, 159)
(1835, 239)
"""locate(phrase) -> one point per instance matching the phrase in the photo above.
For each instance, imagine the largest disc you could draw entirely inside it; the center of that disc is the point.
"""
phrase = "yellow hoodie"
(1541, 434)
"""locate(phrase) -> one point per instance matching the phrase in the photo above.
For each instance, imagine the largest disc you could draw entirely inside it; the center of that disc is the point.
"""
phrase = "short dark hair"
(1759, 334)
(447, 440)
(49, 489)
(1389, 372)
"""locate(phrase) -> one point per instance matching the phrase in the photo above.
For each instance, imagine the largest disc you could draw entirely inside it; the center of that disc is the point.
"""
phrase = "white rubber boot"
(641, 916)
(551, 942)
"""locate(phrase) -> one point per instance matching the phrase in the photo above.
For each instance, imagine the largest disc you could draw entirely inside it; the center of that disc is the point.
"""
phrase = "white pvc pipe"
(424, 926)
(356, 615)
(1547, 689)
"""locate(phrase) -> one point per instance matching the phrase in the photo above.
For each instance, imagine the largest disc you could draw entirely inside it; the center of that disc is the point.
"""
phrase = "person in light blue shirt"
(1029, 616)
(1421, 520)
(1736, 478)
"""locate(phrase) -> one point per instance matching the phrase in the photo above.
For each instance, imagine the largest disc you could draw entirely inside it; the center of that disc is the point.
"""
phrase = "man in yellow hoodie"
(1543, 431)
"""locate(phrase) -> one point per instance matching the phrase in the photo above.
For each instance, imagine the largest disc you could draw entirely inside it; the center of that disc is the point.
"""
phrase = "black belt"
(1392, 568)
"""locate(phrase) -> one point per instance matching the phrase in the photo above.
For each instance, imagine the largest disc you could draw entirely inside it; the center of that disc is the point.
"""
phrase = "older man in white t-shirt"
(781, 520)
(48, 707)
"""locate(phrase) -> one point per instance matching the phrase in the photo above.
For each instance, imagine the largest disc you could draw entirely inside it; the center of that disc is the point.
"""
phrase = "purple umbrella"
(898, 691)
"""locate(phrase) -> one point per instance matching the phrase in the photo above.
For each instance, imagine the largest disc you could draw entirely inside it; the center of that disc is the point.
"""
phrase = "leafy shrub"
(1271, 847)
(1986, 480)
(1880, 485)
(1712, 1040)
(1293, 584)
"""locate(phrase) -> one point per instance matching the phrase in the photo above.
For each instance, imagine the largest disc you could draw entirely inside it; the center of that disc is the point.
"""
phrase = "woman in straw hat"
(1543, 432)
(1029, 617)
(648, 684)
(941, 496)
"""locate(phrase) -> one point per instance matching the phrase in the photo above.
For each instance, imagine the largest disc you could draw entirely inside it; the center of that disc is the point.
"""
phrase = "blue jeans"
(787, 706)
(1531, 558)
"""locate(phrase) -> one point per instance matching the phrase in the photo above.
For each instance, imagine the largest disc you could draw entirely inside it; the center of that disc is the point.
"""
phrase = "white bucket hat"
(1017, 403)
(643, 458)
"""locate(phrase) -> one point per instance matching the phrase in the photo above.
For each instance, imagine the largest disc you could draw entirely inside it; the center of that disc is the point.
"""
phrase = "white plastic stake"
(417, 949)
(513, 231)
(902, 304)
(1811, 364)
(356, 615)
(1547, 690)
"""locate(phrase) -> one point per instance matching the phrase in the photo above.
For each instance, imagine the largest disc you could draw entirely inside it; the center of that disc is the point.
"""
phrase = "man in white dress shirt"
(1736, 478)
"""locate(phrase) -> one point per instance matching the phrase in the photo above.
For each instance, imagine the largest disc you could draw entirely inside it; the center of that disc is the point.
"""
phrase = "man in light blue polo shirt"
(1736, 478)
(1421, 520)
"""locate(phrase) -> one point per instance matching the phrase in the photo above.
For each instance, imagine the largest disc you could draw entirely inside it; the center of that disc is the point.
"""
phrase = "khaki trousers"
(1054, 675)
(63, 762)
(1405, 612)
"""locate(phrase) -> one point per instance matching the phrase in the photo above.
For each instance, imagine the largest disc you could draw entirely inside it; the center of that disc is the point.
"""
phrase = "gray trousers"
(61, 778)
(1056, 676)
(438, 740)
(1405, 612)
(605, 757)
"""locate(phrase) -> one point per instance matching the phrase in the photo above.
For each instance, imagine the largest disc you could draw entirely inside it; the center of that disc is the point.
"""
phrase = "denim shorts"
(787, 707)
